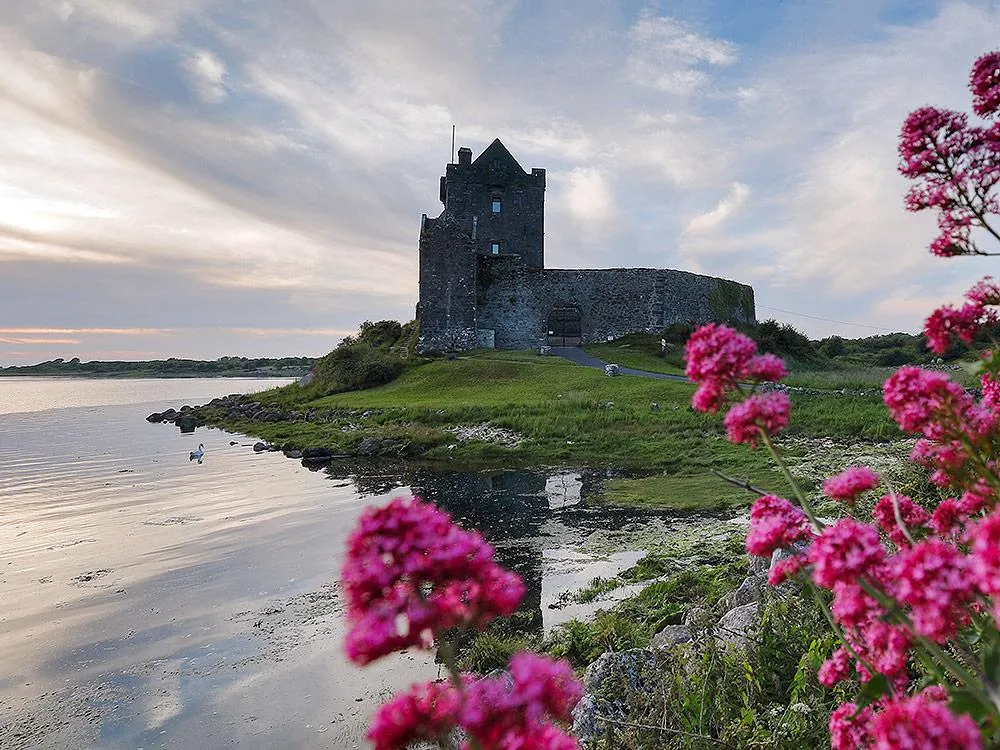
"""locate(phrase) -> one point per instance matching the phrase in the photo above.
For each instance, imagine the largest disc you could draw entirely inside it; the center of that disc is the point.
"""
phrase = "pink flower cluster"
(501, 713)
(920, 722)
(850, 484)
(775, 524)
(410, 572)
(912, 515)
(985, 85)
(955, 166)
(953, 426)
(767, 412)
(718, 359)
(948, 323)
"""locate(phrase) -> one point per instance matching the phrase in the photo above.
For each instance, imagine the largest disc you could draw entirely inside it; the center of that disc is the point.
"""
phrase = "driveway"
(580, 357)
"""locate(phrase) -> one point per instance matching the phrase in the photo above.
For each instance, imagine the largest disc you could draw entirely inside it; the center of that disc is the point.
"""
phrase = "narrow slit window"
(496, 205)
(494, 248)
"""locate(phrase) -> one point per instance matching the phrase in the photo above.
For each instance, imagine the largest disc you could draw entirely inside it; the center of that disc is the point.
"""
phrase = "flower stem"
(803, 500)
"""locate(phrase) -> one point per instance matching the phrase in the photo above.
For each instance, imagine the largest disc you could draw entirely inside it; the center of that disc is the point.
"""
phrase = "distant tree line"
(885, 350)
(173, 367)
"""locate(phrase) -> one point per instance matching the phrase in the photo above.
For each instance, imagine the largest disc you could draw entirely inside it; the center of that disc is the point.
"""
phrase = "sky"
(202, 178)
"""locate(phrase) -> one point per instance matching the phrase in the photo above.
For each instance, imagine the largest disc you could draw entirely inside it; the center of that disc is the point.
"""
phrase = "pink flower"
(850, 483)
(845, 551)
(775, 524)
(922, 401)
(932, 577)
(923, 722)
(985, 84)
(708, 397)
(885, 646)
(849, 727)
(980, 495)
(985, 292)
(948, 322)
(518, 712)
(767, 411)
(425, 713)
(930, 136)
(785, 568)
(947, 518)
(410, 572)
(954, 168)
(717, 352)
(884, 514)
(853, 606)
(835, 669)
(985, 556)
(991, 392)
(766, 368)
(718, 358)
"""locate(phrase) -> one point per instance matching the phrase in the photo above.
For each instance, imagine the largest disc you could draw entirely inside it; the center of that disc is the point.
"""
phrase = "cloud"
(729, 205)
(208, 74)
(589, 197)
(669, 56)
(819, 153)
(264, 165)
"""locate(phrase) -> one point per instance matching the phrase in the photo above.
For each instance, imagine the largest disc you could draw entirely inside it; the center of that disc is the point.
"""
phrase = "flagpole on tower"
(453, 143)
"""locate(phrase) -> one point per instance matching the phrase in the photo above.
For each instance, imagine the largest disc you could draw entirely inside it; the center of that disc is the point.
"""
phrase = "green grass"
(568, 415)
(697, 492)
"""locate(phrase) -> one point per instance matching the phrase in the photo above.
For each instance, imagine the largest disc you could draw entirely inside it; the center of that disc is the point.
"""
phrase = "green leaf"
(991, 662)
(965, 701)
(991, 362)
(872, 690)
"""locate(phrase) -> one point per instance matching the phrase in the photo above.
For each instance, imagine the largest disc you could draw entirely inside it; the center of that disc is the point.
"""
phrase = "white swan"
(198, 454)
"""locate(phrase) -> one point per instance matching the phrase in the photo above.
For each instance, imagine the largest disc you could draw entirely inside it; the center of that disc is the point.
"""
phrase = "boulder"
(607, 684)
(670, 636)
(292, 453)
(698, 618)
(370, 446)
(751, 590)
(314, 454)
(155, 417)
(733, 627)
(758, 564)
(259, 447)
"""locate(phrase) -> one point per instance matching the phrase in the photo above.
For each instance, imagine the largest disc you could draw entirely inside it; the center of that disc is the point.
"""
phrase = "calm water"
(149, 601)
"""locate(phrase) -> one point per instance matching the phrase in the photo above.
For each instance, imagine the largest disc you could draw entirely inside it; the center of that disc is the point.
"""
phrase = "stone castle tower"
(483, 281)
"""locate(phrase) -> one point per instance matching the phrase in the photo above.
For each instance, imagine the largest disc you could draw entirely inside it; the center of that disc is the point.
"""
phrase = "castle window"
(494, 248)
(496, 205)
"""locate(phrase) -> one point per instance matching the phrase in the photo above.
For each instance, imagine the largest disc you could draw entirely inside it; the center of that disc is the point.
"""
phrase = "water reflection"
(534, 520)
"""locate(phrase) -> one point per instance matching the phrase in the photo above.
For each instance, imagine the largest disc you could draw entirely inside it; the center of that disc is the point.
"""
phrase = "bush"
(357, 366)
(894, 358)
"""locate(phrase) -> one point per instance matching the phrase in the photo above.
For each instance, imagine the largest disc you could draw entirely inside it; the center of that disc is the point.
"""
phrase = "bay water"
(149, 600)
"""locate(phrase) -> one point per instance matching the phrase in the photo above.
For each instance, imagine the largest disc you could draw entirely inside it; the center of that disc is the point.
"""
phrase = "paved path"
(578, 355)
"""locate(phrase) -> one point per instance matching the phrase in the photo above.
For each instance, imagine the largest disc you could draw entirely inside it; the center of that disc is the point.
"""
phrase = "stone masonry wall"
(516, 302)
(447, 307)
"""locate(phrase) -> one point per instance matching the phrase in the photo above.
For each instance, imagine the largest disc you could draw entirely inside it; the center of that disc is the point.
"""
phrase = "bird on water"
(198, 454)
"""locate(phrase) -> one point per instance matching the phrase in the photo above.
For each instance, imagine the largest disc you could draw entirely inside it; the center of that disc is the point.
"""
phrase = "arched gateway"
(564, 327)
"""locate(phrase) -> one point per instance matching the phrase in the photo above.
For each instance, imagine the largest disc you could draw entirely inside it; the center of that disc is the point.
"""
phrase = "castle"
(483, 281)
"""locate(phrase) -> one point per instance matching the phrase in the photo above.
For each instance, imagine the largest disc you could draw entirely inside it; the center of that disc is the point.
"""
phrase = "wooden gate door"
(564, 327)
